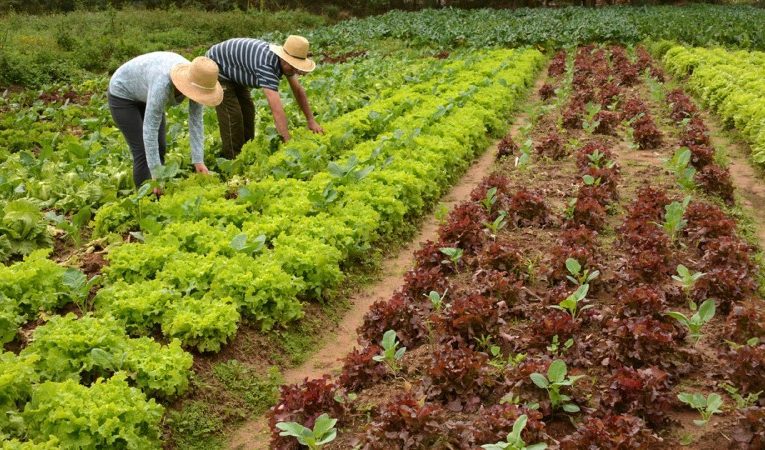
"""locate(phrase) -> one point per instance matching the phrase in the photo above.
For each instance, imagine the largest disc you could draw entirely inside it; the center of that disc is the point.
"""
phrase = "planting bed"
(616, 175)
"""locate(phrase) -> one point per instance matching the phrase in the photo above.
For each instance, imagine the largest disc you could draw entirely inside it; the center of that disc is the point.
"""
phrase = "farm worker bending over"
(246, 63)
(138, 93)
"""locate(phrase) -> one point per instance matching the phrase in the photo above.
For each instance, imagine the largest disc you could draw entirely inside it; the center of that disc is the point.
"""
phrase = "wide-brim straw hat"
(295, 52)
(198, 81)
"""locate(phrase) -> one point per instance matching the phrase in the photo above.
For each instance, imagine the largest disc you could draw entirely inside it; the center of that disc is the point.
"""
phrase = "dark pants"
(128, 115)
(236, 118)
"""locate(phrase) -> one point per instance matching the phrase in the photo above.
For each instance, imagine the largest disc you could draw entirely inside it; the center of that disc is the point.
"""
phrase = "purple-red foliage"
(609, 179)
(547, 91)
(682, 106)
(642, 300)
(303, 403)
(623, 432)
(507, 147)
(575, 242)
(528, 208)
(572, 115)
(646, 393)
(701, 155)
(726, 286)
(647, 266)
(492, 424)
(648, 205)
(469, 317)
(464, 227)
(558, 64)
(400, 314)
(583, 154)
(360, 370)
(607, 122)
(551, 146)
(495, 180)
(645, 341)
(744, 366)
(609, 93)
(706, 222)
(632, 107)
(696, 133)
(501, 255)
(750, 429)
(504, 286)
(405, 422)
(459, 376)
(589, 212)
(639, 235)
(555, 322)
(716, 181)
(625, 70)
(645, 132)
(745, 322)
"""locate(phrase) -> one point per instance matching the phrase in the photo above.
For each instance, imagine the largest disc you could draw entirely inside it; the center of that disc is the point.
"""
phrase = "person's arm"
(302, 99)
(155, 111)
(197, 136)
(277, 110)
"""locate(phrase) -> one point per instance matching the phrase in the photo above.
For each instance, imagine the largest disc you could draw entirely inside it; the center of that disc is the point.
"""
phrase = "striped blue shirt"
(248, 62)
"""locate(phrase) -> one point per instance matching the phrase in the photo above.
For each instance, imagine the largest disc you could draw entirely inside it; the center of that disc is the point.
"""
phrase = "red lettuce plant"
(642, 300)
(645, 133)
(583, 160)
(469, 317)
(547, 91)
(750, 429)
(744, 366)
(607, 122)
(645, 341)
(360, 370)
(464, 227)
(590, 213)
(507, 147)
(492, 424)
(646, 393)
(460, 377)
(707, 222)
(405, 422)
(558, 64)
(745, 322)
(528, 208)
(611, 432)
(400, 314)
(551, 146)
(716, 181)
(572, 115)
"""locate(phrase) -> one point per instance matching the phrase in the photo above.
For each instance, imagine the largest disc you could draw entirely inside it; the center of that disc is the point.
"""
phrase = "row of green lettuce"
(61, 156)
(732, 84)
(94, 381)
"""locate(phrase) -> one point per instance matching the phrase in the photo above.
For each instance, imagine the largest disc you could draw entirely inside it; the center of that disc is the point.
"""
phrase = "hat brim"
(303, 65)
(181, 79)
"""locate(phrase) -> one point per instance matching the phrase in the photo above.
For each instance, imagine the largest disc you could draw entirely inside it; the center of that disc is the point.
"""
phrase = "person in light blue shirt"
(139, 92)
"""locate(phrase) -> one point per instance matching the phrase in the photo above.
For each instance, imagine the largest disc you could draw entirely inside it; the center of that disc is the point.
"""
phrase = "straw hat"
(198, 81)
(295, 52)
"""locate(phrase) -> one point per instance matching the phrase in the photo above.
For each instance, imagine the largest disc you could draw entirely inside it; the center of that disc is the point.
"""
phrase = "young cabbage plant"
(497, 224)
(589, 124)
(436, 299)
(526, 150)
(680, 165)
(499, 361)
(454, 254)
(78, 287)
(391, 354)
(323, 432)
(705, 313)
(514, 441)
(687, 280)
(570, 208)
(490, 199)
(705, 406)
(577, 275)
(673, 217)
(553, 382)
(556, 347)
(589, 180)
(741, 401)
(571, 303)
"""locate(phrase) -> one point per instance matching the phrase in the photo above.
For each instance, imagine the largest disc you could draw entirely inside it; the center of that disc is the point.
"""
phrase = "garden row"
(732, 84)
(552, 310)
(214, 258)
(61, 158)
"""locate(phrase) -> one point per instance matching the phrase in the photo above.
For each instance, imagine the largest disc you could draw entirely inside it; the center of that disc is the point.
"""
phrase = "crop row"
(729, 83)
(285, 239)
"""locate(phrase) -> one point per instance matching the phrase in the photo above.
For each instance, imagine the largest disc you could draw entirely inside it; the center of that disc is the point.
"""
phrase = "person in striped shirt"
(252, 63)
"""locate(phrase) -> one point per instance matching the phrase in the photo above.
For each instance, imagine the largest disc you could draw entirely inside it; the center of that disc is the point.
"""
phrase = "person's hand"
(315, 127)
(286, 137)
(157, 191)
(201, 168)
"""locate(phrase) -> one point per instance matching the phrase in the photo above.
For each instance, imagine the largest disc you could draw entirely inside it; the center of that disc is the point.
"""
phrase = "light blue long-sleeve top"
(146, 79)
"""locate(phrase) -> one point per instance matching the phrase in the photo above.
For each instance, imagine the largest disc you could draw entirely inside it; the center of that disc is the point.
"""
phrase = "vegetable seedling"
(579, 276)
(454, 254)
(705, 406)
(553, 382)
(705, 313)
(514, 441)
(323, 432)
(571, 303)
(391, 354)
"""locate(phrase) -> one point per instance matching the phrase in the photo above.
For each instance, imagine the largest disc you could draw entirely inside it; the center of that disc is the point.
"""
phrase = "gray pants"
(128, 115)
